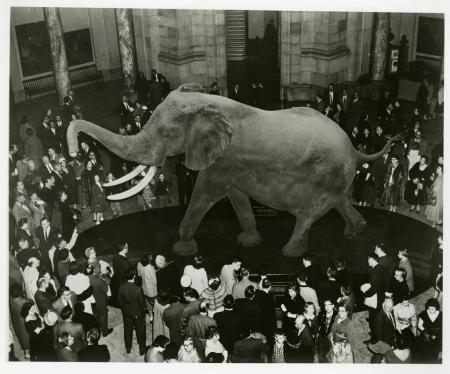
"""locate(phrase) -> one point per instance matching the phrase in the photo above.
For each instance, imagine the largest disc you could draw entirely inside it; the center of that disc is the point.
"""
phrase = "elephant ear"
(208, 137)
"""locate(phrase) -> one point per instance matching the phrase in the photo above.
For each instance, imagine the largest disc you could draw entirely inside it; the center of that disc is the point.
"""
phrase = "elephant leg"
(204, 196)
(298, 243)
(241, 204)
(355, 223)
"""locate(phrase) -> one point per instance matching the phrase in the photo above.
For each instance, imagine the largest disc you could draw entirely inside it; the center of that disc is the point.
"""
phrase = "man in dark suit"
(235, 93)
(329, 289)
(74, 329)
(94, 352)
(301, 343)
(198, 323)
(266, 302)
(387, 262)
(355, 111)
(376, 281)
(252, 348)
(319, 104)
(46, 169)
(48, 193)
(345, 100)
(121, 264)
(155, 89)
(387, 121)
(379, 140)
(172, 318)
(131, 300)
(61, 127)
(249, 311)
(330, 97)
(384, 324)
(379, 169)
(100, 293)
(125, 109)
(54, 137)
(313, 271)
(47, 235)
(43, 133)
(229, 323)
(66, 297)
(191, 308)
(41, 297)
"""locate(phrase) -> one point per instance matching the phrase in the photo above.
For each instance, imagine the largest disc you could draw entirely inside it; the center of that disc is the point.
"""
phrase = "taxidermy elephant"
(294, 160)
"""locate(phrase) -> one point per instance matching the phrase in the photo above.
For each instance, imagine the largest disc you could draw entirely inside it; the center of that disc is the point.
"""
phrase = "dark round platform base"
(155, 231)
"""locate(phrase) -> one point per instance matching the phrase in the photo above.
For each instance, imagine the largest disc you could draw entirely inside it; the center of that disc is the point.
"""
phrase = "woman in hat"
(341, 350)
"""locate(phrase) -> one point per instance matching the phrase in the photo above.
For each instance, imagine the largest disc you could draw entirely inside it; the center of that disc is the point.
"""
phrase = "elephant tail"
(363, 158)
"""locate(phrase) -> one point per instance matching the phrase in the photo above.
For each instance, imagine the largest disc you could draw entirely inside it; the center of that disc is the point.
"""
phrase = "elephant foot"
(185, 247)
(249, 238)
(352, 230)
(290, 250)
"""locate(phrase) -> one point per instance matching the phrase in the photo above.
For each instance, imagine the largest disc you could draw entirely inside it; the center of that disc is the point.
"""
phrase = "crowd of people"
(60, 312)
(411, 173)
(59, 304)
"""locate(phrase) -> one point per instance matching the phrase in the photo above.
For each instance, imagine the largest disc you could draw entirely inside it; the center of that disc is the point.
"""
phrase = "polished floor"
(156, 230)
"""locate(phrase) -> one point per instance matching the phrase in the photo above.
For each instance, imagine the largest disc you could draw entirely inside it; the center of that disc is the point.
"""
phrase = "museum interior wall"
(203, 46)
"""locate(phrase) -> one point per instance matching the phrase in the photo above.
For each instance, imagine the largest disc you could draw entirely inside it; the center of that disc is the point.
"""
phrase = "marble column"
(380, 47)
(127, 47)
(58, 51)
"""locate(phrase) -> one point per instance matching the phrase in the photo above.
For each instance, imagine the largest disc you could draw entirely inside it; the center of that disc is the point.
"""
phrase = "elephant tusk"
(137, 188)
(136, 171)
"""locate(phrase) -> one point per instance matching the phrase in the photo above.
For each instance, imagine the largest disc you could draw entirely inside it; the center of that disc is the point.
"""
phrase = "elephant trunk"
(132, 148)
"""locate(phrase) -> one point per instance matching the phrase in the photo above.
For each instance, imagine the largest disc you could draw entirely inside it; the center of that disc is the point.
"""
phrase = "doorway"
(262, 52)
(253, 53)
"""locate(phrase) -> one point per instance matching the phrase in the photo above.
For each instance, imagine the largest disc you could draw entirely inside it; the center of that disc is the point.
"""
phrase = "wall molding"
(186, 58)
(327, 55)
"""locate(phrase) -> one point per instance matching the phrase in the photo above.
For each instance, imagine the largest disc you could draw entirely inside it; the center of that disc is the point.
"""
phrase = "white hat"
(50, 318)
(160, 261)
(186, 281)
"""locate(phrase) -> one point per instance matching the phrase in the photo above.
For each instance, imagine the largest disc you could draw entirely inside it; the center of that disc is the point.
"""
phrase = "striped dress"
(214, 298)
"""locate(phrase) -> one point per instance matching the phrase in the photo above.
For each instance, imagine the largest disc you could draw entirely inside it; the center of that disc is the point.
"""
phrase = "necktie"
(45, 235)
(392, 319)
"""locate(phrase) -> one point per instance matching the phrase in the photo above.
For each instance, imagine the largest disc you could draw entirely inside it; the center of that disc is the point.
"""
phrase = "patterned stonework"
(127, 46)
